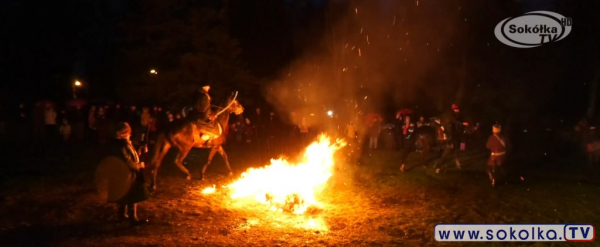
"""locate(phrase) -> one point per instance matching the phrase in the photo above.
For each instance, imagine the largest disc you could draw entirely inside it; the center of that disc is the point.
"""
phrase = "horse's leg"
(162, 147)
(224, 155)
(213, 151)
(183, 152)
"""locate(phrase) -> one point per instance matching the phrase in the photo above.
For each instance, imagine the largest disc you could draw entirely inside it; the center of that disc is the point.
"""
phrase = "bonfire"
(290, 187)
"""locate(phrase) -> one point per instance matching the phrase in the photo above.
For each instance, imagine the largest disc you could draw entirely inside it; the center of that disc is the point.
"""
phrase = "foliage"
(187, 43)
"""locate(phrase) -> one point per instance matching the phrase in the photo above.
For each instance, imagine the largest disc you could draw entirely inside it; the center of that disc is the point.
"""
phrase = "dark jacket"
(124, 150)
(202, 105)
(453, 124)
(137, 192)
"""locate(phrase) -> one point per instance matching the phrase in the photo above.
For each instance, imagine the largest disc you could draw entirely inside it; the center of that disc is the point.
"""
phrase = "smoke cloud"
(376, 56)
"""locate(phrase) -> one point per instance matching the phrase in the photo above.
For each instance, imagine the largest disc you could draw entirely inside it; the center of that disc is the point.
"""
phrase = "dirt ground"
(53, 202)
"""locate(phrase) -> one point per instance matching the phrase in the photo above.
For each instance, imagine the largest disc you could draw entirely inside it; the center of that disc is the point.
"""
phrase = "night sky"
(46, 45)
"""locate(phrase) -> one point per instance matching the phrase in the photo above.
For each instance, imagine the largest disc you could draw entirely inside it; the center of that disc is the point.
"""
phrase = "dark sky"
(46, 45)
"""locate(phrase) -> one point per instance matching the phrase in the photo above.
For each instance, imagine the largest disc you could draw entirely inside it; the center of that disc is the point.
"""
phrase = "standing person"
(422, 122)
(350, 132)
(118, 115)
(274, 131)
(65, 130)
(144, 123)
(374, 132)
(406, 127)
(125, 179)
(259, 124)
(50, 130)
(133, 119)
(92, 129)
(102, 125)
(303, 128)
(398, 123)
(23, 125)
(78, 124)
(248, 131)
(496, 143)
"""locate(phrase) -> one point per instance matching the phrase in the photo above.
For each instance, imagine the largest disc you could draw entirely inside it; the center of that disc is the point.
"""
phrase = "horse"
(184, 135)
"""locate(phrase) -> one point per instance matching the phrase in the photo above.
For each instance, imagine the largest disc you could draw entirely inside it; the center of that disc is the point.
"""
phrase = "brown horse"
(184, 135)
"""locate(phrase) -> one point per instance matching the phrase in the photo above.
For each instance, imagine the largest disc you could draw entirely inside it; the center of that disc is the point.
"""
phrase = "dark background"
(46, 45)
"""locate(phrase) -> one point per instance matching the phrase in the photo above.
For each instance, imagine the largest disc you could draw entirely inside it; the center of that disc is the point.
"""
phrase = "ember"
(209, 190)
(288, 187)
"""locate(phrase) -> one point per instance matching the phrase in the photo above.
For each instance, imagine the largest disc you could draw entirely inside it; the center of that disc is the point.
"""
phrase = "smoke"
(371, 56)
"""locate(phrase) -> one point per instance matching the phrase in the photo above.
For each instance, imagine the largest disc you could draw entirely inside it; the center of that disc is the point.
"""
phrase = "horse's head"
(235, 108)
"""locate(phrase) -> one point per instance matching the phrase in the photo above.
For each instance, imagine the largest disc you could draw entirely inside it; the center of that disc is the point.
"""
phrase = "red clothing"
(496, 144)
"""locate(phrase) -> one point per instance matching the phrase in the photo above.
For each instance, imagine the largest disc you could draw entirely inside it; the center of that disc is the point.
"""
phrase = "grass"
(371, 204)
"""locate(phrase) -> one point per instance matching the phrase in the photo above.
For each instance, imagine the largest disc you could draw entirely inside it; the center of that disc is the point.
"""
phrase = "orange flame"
(290, 187)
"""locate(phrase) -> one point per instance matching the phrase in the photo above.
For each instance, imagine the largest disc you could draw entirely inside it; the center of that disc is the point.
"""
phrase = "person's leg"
(491, 169)
(133, 218)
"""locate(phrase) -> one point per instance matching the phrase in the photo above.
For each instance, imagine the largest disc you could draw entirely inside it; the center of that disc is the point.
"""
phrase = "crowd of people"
(46, 124)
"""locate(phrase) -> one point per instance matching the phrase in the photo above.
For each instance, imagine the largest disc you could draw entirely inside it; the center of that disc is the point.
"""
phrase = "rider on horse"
(203, 115)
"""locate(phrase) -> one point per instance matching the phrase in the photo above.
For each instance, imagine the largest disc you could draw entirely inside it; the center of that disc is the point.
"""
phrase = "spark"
(359, 53)
(417, 3)
(368, 43)
(394, 22)
(356, 10)
(346, 46)
(406, 34)
(361, 30)
(353, 48)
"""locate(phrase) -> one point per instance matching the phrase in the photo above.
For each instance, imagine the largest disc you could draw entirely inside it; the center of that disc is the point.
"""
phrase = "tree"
(187, 43)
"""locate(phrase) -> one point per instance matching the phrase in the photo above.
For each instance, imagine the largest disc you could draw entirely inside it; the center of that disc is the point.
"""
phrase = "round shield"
(113, 178)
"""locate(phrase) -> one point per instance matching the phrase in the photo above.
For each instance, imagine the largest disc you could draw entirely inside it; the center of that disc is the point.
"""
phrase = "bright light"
(291, 187)
(78, 83)
(153, 71)
(330, 113)
(209, 190)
